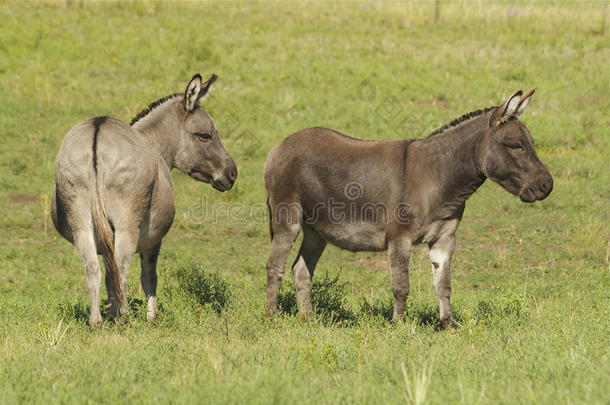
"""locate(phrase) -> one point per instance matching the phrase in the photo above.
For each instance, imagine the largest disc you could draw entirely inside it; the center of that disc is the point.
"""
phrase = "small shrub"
(507, 304)
(204, 289)
(75, 311)
(328, 300)
(377, 308)
(326, 355)
(328, 296)
(287, 299)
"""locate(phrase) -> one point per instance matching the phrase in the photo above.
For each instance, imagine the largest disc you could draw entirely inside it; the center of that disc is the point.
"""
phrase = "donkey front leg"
(399, 252)
(283, 239)
(148, 278)
(440, 257)
(286, 220)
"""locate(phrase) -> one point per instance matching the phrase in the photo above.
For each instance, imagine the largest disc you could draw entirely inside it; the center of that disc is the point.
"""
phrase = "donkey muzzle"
(225, 181)
(538, 189)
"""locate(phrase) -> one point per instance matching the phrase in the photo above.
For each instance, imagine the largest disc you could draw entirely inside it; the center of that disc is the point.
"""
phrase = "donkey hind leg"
(85, 244)
(148, 278)
(125, 243)
(440, 257)
(304, 265)
(285, 225)
(399, 252)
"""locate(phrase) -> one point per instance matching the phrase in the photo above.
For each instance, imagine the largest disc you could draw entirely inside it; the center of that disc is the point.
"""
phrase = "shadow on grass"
(329, 304)
(79, 311)
(378, 308)
(424, 314)
(188, 287)
(191, 287)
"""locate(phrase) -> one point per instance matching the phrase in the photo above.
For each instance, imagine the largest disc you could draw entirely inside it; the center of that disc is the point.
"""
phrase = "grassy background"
(531, 282)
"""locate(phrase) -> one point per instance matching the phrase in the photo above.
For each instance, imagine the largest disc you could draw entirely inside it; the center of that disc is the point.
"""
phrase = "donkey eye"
(516, 146)
(203, 136)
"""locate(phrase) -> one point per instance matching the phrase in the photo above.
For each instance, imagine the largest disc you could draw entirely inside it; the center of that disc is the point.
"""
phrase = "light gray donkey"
(113, 190)
(389, 195)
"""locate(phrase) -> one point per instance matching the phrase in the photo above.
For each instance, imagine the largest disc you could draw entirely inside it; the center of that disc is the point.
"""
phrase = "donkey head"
(508, 154)
(201, 154)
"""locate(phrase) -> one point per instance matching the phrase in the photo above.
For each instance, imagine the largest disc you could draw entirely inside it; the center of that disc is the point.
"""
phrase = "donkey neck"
(160, 126)
(452, 160)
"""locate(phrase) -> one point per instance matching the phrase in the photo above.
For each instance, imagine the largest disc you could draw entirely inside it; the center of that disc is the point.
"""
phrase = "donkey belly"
(155, 226)
(59, 217)
(354, 236)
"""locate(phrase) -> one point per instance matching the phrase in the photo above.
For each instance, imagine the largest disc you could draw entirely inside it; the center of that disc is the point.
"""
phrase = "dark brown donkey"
(375, 195)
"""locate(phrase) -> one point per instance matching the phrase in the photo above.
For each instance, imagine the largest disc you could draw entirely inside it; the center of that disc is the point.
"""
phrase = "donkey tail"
(270, 219)
(105, 234)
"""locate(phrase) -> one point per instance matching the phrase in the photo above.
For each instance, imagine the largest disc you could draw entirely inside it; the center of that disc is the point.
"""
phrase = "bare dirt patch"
(23, 198)
(432, 103)
(589, 100)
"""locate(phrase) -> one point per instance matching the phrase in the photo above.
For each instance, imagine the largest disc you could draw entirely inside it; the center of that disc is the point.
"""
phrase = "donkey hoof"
(449, 323)
(96, 322)
(270, 311)
(306, 316)
(151, 316)
(397, 318)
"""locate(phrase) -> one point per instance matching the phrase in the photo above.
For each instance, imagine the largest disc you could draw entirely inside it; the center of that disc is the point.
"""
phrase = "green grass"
(530, 282)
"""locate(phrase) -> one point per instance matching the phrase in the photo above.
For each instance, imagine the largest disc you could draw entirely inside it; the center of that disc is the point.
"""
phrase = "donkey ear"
(191, 94)
(206, 87)
(524, 102)
(506, 110)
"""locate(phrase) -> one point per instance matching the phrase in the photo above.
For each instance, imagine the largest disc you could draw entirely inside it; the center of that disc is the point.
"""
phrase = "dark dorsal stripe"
(97, 123)
(151, 107)
(341, 134)
(461, 119)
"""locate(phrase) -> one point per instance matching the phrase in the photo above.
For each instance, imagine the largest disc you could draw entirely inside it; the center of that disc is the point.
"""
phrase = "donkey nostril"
(544, 186)
(233, 175)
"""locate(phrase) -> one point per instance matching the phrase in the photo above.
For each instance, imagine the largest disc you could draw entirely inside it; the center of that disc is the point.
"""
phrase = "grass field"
(531, 283)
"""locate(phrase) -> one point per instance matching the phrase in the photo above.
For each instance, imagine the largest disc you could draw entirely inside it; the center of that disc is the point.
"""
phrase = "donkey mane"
(152, 106)
(461, 119)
